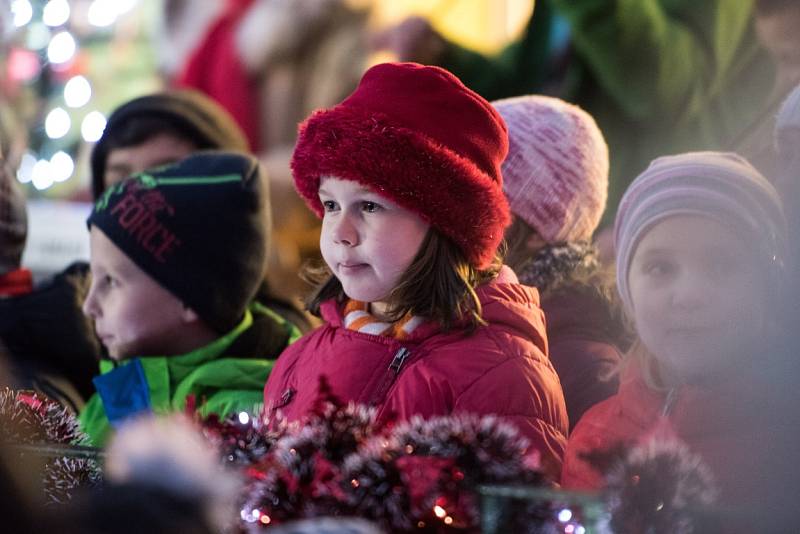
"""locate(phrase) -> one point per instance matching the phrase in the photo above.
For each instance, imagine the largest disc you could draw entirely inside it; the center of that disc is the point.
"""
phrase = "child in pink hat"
(556, 180)
(700, 241)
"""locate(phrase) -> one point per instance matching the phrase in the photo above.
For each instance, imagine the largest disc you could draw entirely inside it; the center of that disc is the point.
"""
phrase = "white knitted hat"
(556, 173)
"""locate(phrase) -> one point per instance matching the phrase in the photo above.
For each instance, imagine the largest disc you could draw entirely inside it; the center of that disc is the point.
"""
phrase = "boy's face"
(698, 296)
(132, 313)
(156, 151)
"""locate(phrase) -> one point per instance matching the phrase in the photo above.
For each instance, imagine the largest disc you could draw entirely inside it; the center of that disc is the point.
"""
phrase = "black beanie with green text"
(199, 227)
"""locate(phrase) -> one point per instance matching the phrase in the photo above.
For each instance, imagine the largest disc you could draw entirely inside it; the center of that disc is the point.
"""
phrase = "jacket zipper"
(399, 359)
(669, 402)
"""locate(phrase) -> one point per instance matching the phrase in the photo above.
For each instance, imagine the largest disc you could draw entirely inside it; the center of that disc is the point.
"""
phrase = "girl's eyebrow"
(360, 191)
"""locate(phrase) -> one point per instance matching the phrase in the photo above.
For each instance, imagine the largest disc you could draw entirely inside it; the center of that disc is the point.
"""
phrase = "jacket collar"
(181, 365)
(504, 301)
(688, 405)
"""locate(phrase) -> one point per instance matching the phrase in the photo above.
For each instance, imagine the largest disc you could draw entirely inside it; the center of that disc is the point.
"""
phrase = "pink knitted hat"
(556, 174)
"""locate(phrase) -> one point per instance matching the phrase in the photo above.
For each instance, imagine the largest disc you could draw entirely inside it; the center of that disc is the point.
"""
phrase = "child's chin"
(117, 354)
(361, 294)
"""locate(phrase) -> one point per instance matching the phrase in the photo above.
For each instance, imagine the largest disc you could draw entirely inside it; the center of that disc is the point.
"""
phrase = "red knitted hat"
(418, 136)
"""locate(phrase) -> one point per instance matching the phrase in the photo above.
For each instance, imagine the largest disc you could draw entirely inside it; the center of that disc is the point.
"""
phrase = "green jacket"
(659, 76)
(221, 382)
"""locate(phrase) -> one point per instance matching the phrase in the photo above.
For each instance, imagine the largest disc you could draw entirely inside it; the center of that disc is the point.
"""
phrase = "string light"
(102, 13)
(37, 36)
(57, 123)
(61, 166)
(439, 511)
(56, 13)
(47, 45)
(22, 11)
(123, 6)
(42, 177)
(77, 92)
(61, 48)
(25, 170)
(255, 516)
(23, 65)
(92, 126)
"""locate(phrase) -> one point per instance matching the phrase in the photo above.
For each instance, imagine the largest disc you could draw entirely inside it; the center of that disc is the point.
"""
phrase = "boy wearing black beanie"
(177, 256)
(164, 127)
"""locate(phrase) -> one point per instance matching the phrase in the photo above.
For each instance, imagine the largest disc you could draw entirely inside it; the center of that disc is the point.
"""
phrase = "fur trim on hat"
(448, 191)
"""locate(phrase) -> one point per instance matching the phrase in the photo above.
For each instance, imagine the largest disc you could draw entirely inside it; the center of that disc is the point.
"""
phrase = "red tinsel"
(415, 476)
(30, 419)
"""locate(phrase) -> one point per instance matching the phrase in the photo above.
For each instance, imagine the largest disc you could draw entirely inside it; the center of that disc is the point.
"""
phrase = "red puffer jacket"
(500, 369)
(728, 423)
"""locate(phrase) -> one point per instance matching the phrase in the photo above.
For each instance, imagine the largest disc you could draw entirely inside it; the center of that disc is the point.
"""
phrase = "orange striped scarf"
(358, 318)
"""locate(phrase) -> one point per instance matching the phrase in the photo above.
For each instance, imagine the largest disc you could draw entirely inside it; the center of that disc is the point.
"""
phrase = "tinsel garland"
(30, 419)
(416, 476)
(656, 487)
(422, 475)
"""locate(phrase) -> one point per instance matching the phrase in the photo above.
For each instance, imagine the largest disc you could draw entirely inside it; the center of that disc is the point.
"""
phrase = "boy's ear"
(189, 315)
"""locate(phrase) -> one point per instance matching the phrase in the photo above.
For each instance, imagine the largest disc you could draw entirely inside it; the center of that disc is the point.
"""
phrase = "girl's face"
(367, 241)
(698, 296)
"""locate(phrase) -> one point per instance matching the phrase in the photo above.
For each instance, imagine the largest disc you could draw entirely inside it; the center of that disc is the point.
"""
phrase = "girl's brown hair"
(648, 365)
(439, 284)
(516, 241)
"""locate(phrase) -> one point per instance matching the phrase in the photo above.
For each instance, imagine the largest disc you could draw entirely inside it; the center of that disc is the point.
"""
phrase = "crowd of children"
(458, 276)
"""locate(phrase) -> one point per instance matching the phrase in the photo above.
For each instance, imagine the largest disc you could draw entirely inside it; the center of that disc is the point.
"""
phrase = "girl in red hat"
(420, 315)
